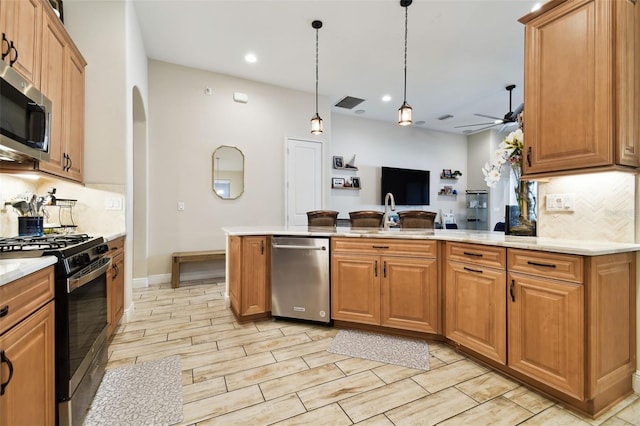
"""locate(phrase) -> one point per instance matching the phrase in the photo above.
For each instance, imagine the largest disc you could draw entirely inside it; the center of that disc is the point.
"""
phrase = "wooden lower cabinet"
(546, 332)
(385, 286)
(249, 276)
(475, 309)
(28, 397)
(115, 285)
(572, 325)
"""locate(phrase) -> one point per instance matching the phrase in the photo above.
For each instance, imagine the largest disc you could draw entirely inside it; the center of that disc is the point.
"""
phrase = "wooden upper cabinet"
(582, 87)
(63, 83)
(20, 25)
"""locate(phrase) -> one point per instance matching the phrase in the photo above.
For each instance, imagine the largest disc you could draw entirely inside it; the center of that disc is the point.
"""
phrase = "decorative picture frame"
(446, 173)
(338, 162)
(57, 8)
(355, 182)
(337, 182)
(448, 190)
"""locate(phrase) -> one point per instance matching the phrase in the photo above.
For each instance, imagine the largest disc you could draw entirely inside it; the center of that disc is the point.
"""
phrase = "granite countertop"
(556, 245)
(13, 269)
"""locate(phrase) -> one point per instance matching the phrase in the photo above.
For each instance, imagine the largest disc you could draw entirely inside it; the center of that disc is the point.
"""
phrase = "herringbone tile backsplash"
(605, 207)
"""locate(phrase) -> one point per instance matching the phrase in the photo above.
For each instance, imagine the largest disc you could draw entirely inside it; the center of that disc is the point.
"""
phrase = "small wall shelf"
(354, 169)
(448, 174)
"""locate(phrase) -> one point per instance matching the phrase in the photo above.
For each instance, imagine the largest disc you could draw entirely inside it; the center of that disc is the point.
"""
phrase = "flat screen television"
(409, 187)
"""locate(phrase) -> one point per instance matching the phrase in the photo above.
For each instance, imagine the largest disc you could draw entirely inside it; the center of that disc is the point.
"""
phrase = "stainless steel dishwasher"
(300, 278)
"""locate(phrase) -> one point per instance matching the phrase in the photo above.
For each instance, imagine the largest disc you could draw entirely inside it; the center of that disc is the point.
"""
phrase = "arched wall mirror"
(227, 167)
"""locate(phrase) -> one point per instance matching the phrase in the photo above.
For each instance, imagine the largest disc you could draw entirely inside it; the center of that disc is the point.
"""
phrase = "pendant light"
(405, 112)
(316, 121)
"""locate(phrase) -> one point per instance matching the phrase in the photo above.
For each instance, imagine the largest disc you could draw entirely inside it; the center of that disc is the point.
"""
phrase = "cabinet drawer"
(477, 254)
(24, 296)
(567, 267)
(385, 246)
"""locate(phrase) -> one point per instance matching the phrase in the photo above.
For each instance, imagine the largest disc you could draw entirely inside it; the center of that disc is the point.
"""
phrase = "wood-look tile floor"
(276, 372)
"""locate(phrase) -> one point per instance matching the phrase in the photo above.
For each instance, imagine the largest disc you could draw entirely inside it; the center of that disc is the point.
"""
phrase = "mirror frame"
(213, 171)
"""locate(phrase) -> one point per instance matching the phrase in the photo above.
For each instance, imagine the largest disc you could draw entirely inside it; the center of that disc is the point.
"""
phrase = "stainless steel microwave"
(25, 118)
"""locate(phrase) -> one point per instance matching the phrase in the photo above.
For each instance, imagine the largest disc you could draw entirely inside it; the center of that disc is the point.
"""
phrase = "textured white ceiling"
(461, 53)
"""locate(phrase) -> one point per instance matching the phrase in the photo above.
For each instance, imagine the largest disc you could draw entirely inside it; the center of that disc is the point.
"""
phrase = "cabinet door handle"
(5, 42)
(375, 269)
(512, 291)
(529, 157)
(116, 271)
(466, 253)
(262, 247)
(4, 359)
(380, 247)
(15, 58)
(544, 265)
(70, 163)
(473, 270)
(384, 269)
(4, 311)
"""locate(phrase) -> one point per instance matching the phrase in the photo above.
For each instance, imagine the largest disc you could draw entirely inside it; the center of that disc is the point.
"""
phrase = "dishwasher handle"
(294, 247)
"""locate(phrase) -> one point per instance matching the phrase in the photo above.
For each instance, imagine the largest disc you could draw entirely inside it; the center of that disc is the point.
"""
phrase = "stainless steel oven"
(81, 335)
(80, 314)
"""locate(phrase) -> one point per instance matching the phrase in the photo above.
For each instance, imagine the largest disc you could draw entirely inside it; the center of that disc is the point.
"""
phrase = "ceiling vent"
(349, 102)
(445, 117)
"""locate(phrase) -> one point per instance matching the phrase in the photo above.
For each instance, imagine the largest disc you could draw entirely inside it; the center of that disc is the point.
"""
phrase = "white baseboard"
(636, 382)
(141, 282)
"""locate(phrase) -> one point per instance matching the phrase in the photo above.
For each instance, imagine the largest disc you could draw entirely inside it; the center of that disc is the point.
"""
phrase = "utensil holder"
(30, 226)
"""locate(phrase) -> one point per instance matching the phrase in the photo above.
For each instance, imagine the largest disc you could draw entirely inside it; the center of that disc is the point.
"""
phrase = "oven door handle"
(83, 277)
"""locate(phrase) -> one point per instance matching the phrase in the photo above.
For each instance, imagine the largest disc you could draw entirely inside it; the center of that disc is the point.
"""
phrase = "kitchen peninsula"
(558, 315)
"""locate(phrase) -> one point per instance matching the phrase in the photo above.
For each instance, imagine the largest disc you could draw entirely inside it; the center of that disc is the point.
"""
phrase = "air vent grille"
(445, 117)
(349, 102)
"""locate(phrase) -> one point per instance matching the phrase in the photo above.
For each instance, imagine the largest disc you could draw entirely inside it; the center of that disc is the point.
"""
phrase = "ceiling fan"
(509, 119)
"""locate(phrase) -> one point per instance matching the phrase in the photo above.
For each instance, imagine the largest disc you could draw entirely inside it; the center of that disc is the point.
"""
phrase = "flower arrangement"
(509, 151)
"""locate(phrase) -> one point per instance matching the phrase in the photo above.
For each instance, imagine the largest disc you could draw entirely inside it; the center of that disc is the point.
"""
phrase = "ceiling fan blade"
(484, 128)
(473, 125)
(489, 116)
(505, 126)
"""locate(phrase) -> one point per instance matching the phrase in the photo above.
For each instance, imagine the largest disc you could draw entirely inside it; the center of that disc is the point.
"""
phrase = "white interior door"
(304, 177)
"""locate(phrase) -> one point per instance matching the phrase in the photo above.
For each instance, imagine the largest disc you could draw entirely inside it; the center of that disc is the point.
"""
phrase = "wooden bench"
(191, 256)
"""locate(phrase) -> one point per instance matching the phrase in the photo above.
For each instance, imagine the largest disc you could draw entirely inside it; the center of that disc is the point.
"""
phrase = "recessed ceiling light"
(386, 98)
(251, 58)
(359, 111)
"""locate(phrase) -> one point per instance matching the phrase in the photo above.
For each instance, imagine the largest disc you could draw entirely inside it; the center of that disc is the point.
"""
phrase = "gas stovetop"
(46, 243)
(61, 246)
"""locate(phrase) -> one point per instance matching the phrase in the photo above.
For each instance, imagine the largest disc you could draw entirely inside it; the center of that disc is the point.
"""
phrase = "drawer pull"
(512, 290)
(380, 247)
(544, 265)
(472, 270)
(4, 311)
(4, 359)
(466, 253)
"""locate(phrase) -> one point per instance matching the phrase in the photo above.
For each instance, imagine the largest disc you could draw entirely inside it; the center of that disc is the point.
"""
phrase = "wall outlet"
(180, 206)
(561, 202)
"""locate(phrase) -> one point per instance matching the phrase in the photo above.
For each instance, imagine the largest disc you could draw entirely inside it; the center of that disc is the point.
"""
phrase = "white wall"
(377, 143)
(186, 126)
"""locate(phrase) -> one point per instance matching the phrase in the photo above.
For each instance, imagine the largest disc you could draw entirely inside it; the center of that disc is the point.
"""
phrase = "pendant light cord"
(316, 71)
(406, 15)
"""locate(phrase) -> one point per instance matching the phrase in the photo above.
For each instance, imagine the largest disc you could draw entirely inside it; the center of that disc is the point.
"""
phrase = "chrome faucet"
(386, 219)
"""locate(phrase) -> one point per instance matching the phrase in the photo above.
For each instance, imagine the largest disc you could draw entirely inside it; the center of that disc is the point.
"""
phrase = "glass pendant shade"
(405, 114)
(316, 124)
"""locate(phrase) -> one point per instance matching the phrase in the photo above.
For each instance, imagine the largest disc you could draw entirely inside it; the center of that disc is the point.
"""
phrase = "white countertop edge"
(556, 245)
(13, 269)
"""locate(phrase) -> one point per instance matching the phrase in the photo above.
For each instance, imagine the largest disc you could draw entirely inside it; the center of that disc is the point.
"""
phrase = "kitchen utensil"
(22, 207)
